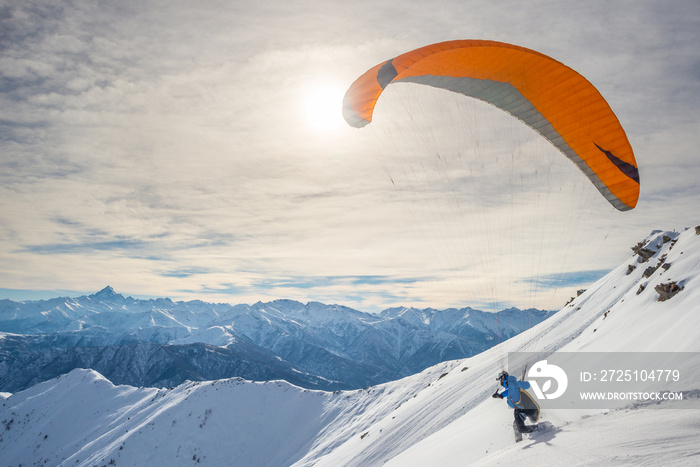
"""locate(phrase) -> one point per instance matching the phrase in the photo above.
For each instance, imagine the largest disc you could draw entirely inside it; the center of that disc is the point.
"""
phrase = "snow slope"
(97, 422)
(634, 322)
(441, 416)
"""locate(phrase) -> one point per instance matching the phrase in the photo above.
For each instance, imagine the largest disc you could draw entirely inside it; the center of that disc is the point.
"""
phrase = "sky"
(196, 150)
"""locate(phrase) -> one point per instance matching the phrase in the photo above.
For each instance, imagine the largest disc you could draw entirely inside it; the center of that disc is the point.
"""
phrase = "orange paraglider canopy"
(545, 94)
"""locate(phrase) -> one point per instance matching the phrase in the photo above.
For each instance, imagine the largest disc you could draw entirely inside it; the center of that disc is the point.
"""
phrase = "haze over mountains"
(161, 343)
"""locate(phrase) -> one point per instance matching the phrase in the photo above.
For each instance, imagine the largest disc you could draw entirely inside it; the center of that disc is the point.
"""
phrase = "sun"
(323, 105)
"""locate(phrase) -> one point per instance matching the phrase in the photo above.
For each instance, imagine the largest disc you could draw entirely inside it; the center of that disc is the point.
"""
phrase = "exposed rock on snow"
(668, 290)
(643, 252)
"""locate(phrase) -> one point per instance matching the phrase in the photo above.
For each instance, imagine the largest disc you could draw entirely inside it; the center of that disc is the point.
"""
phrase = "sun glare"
(324, 106)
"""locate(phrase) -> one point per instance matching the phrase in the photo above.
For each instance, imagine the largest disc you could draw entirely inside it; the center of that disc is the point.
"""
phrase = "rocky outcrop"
(643, 252)
(668, 290)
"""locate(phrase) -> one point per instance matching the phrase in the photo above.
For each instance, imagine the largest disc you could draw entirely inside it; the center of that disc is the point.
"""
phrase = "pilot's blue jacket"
(512, 392)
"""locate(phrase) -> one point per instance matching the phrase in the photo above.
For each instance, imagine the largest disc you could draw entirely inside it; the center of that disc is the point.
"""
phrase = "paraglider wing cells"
(551, 98)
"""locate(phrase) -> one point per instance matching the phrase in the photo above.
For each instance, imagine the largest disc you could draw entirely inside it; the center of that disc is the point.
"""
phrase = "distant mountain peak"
(107, 292)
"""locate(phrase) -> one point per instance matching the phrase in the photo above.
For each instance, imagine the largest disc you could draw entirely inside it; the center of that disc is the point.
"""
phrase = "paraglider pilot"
(519, 400)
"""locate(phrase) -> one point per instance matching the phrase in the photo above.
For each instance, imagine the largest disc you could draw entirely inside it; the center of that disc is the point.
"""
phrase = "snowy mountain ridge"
(441, 416)
(162, 343)
(80, 313)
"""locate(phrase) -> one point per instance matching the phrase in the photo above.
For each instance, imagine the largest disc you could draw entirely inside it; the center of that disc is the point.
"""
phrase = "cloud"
(186, 272)
(162, 148)
(81, 248)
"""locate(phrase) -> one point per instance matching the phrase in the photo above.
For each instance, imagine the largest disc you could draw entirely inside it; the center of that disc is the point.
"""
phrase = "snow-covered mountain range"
(443, 415)
(162, 343)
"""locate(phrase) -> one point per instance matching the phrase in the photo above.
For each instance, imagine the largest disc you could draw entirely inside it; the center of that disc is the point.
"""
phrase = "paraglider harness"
(520, 412)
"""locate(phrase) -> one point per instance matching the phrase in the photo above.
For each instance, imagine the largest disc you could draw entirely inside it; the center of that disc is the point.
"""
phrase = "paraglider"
(551, 98)
(555, 102)
(523, 405)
